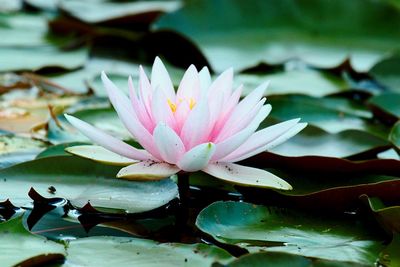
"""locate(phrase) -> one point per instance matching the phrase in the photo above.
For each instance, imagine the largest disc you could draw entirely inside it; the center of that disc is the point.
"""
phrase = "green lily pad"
(101, 11)
(81, 181)
(271, 32)
(22, 29)
(278, 259)
(387, 72)
(313, 141)
(15, 149)
(390, 255)
(121, 251)
(331, 114)
(388, 103)
(27, 58)
(260, 228)
(308, 82)
(21, 248)
(394, 135)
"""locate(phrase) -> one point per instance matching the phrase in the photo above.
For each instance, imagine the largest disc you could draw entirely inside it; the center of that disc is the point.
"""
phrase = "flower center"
(174, 106)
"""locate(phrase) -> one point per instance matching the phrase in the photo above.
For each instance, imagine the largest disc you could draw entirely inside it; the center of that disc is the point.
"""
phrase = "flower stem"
(183, 212)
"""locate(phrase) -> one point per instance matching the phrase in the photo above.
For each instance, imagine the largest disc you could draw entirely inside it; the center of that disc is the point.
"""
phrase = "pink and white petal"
(189, 88)
(168, 143)
(205, 81)
(147, 171)
(289, 134)
(145, 90)
(216, 104)
(247, 176)
(100, 154)
(107, 141)
(161, 111)
(197, 158)
(234, 126)
(232, 143)
(194, 130)
(181, 114)
(227, 110)
(262, 140)
(129, 118)
(114, 92)
(224, 83)
(160, 79)
(244, 107)
(139, 107)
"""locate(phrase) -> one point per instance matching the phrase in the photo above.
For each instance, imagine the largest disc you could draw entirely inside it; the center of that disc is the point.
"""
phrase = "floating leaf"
(259, 228)
(15, 58)
(387, 72)
(387, 103)
(271, 32)
(316, 142)
(16, 149)
(394, 135)
(308, 82)
(82, 181)
(19, 247)
(331, 114)
(101, 11)
(120, 251)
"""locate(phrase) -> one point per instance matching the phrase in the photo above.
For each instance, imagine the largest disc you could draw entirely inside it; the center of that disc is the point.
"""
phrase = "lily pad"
(394, 135)
(313, 141)
(21, 248)
(15, 149)
(331, 114)
(305, 81)
(15, 58)
(260, 228)
(388, 103)
(122, 251)
(387, 72)
(271, 32)
(81, 181)
(101, 11)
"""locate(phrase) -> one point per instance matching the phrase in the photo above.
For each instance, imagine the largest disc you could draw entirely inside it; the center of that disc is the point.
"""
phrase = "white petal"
(224, 83)
(195, 131)
(128, 117)
(161, 110)
(232, 143)
(145, 90)
(100, 154)
(190, 85)
(197, 158)
(160, 79)
(168, 143)
(244, 108)
(147, 170)
(205, 80)
(247, 176)
(107, 141)
(265, 139)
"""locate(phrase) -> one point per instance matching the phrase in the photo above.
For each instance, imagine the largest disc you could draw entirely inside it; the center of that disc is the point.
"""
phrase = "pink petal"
(197, 158)
(161, 110)
(129, 118)
(232, 143)
(107, 141)
(194, 130)
(245, 107)
(168, 143)
(224, 83)
(260, 140)
(189, 88)
(139, 107)
(247, 176)
(205, 80)
(147, 170)
(160, 79)
(145, 90)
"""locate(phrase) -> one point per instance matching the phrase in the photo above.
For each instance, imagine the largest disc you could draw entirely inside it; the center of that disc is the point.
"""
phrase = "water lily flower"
(203, 126)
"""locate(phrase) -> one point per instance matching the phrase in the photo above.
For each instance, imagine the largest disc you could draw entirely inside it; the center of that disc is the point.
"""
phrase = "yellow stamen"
(192, 103)
(172, 105)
